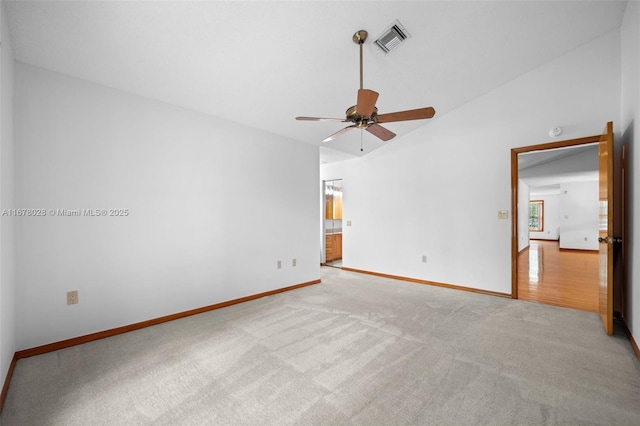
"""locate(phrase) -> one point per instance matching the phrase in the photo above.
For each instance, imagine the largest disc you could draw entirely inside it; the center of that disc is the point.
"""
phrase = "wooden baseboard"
(131, 327)
(39, 350)
(433, 283)
(578, 250)
(5, 387)
(634, 345)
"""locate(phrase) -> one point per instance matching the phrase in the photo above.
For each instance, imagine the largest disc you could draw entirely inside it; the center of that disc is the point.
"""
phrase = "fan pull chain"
(361, 141)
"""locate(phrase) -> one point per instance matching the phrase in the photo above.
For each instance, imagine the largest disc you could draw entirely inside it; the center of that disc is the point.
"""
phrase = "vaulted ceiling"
(262, 63)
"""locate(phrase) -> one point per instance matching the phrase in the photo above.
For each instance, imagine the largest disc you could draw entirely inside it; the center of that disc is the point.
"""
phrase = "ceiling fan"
(364, 115)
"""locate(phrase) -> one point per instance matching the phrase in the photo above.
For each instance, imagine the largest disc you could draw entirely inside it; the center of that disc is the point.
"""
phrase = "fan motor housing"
(353, 116)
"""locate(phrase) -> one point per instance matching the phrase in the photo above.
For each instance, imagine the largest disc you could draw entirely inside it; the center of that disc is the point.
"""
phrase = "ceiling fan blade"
(380, 132)
(366, 102)
(413, 114)
(338, 133)
(320, 119)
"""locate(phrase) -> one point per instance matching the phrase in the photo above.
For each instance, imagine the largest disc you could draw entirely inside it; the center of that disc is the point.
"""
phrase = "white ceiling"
(531, 159)
(262, 63)
(546, 182)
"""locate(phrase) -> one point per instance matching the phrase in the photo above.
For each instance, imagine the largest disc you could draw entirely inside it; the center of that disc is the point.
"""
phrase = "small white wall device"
(555, 132)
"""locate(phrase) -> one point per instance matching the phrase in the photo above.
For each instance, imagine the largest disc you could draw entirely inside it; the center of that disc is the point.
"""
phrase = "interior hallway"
(567, 278)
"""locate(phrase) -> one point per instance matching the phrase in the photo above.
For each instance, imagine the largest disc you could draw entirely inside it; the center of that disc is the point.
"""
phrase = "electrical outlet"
(279, 264)
(294, 262)
(348, 223)
(503, 214)
(424, 259)
(72, 297)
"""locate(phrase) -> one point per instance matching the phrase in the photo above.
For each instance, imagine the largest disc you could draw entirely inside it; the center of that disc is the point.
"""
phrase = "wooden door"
(605, 294)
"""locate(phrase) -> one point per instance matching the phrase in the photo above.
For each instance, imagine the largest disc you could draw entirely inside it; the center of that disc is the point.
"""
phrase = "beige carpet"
(355, 349)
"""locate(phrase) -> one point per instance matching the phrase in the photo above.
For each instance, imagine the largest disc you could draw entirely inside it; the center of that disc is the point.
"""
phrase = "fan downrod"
(359, 38)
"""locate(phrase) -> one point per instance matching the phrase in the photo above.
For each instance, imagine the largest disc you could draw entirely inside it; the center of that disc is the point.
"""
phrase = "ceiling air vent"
(392, 37)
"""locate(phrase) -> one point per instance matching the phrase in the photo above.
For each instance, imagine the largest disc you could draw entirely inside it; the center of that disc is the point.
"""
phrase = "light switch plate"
(72, 297)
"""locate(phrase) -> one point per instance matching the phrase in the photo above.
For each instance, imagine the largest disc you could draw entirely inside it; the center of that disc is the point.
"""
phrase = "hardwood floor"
(567, 278)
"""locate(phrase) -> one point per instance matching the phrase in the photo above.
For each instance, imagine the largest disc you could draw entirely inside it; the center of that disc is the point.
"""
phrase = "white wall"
(213, 205)
(630, 125)
(426, 193)
(551, 219)
(7, 272)
(560, 171)
(579, 215)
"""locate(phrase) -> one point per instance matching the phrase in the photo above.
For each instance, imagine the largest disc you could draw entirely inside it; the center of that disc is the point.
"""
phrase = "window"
(536, 215)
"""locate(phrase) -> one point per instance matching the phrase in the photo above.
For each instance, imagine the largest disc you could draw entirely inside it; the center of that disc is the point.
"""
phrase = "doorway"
(332, 223)
(555, 250)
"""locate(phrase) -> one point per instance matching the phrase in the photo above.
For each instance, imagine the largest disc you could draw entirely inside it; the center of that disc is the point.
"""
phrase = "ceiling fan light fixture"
(392, 37)
(364, 115)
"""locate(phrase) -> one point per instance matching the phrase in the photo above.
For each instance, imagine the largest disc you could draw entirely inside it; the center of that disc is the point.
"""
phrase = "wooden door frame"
(514, 195)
